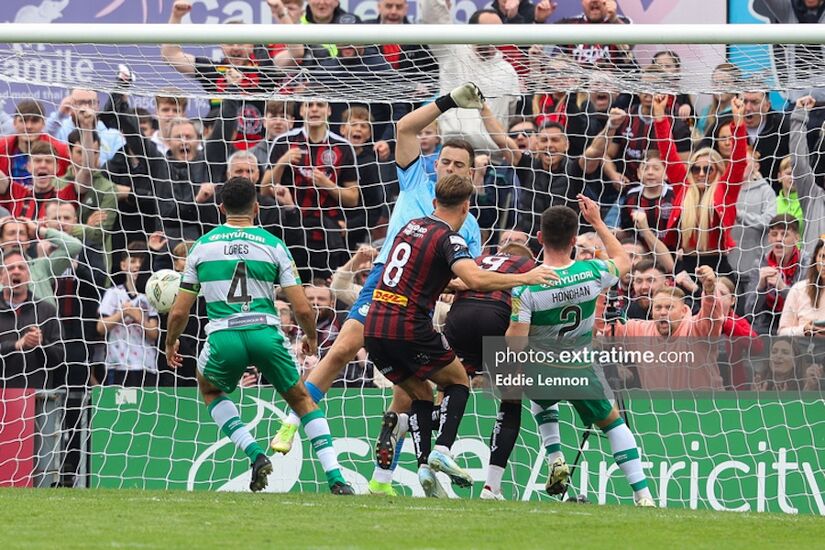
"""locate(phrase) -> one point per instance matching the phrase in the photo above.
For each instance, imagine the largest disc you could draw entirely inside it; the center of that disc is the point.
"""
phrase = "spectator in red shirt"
(743, 343)
(30, 202)
(704, 194)
(29, 123)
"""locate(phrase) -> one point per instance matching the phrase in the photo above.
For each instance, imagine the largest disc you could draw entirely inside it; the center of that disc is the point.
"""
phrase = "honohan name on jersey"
(570, 294)
(565, 309)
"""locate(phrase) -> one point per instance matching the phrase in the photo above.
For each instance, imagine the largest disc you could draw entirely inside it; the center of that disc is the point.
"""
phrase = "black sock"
(505, 433)
(421, 429)
(452, 410)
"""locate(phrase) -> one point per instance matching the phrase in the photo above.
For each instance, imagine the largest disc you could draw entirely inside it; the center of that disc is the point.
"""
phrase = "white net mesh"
(167, 141)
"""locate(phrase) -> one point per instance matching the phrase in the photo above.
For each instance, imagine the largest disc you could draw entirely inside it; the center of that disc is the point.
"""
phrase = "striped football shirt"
(564, 311)
(236, 270)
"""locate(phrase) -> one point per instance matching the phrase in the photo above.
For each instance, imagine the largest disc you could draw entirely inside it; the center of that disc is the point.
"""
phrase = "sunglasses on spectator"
(515, 134)
(697, 170)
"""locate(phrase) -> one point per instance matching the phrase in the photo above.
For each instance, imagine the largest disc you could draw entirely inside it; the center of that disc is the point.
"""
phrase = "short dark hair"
(559, 225)
(460, 144)
(145, 116)
(473, 20)
(13, 251)
(552, 124)
(453, 190)
(670, 53)
(647, 265)
(521, 120)
(784, 221)
(135, 249)
(74, 137)
(319, 282)
(29, 107)
(238, 196)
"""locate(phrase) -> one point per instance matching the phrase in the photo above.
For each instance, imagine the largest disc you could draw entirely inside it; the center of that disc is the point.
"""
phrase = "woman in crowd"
(785, 370)
(742, 341)
(724, 77)
(671, 63)
(720, 138)
(805, 305)
(704, 194)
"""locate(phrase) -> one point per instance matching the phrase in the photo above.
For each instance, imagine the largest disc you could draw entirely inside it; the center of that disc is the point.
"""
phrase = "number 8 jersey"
(236, 270)
(418, 269)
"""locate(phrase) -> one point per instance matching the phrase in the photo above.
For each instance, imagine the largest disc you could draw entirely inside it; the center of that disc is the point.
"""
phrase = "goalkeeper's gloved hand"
(468, 96)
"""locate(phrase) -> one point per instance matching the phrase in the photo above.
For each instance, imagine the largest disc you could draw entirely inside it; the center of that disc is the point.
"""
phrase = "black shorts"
(401, 359)
(468, 322)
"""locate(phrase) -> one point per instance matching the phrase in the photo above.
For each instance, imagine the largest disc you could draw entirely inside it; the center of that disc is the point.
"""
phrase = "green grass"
(65, 518)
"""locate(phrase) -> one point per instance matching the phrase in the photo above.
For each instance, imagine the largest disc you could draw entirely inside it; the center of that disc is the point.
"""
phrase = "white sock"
(494, 475)
(226, 416)
(382, 476)
(317, 430)
(626, 454)
(403, 424)
(548, 424)
(292, 419)
(442, 449)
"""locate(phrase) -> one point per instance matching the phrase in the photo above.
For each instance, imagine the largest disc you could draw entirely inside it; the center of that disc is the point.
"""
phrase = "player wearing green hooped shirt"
(236, 267)
(564, 312)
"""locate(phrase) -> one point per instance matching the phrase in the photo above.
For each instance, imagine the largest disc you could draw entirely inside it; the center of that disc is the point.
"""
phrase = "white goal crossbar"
(412, 34)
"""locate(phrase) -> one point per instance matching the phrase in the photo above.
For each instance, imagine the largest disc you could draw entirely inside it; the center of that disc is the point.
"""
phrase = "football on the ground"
(161, 289)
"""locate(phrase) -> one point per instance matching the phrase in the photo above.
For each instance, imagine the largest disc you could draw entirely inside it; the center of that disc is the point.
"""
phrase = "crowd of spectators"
(93, 199)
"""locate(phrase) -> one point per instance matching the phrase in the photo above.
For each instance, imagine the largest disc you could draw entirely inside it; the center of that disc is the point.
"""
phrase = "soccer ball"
(161, 289)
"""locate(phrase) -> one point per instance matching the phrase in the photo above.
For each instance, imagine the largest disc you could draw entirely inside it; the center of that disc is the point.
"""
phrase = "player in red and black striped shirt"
(398, 331)
(475, 315)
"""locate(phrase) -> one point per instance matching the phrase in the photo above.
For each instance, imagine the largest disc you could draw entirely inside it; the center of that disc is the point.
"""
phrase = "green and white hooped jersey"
(564, 311)
(236, 271)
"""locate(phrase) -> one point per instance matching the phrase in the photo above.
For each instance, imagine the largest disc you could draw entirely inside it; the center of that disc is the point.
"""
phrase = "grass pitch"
(64, 518)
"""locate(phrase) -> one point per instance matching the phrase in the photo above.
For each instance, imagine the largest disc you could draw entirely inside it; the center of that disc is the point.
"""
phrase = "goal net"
(87, 398)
